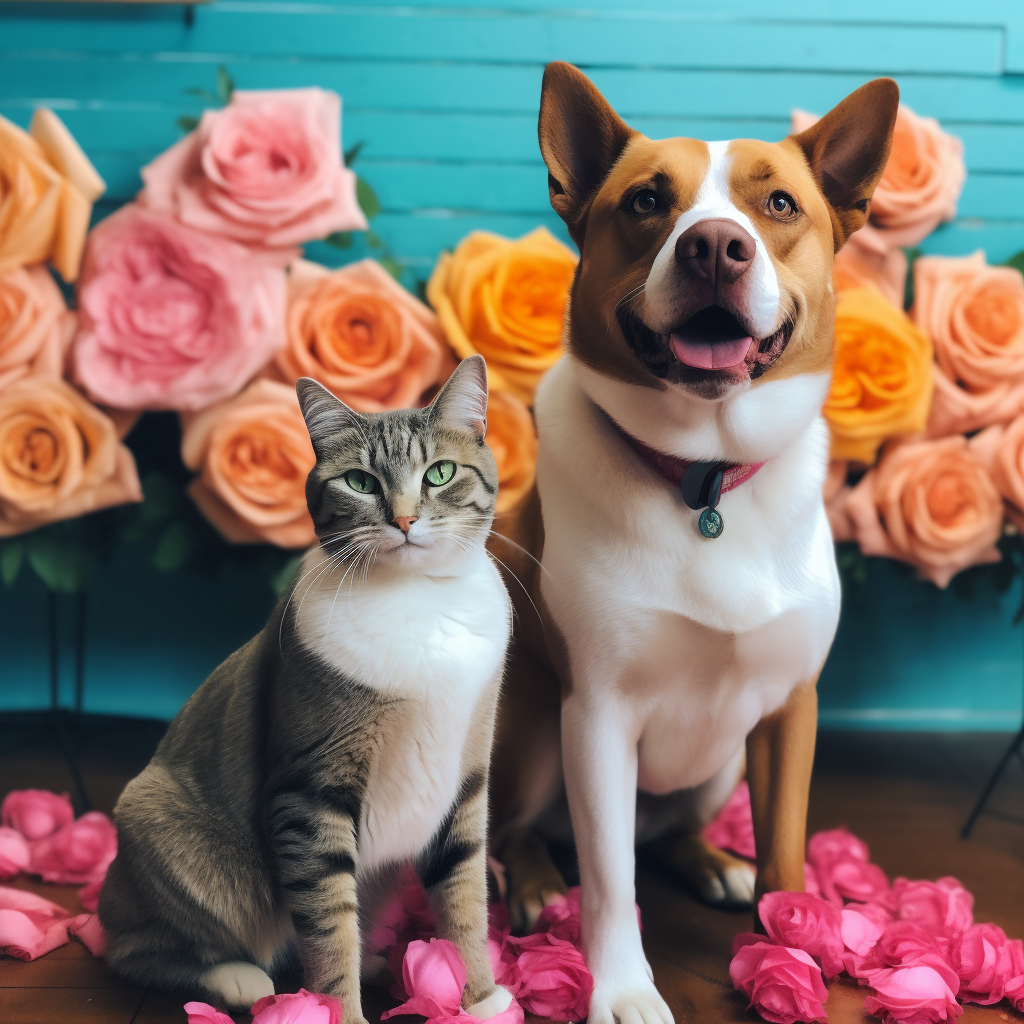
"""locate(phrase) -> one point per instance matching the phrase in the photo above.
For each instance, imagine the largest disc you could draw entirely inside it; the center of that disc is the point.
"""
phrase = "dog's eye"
(781, 206)
(644, 201)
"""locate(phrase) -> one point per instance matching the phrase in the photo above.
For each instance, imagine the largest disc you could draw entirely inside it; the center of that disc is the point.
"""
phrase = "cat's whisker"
(534, 559)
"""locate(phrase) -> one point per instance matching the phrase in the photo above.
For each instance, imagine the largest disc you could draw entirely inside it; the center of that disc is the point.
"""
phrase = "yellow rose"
(47, 188)
(506, 300)
(882, 382)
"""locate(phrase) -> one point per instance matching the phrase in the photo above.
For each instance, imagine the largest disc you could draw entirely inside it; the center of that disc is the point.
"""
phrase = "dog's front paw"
(637, 1003)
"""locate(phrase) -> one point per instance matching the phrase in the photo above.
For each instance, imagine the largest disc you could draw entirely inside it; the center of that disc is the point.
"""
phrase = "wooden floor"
(907, 796)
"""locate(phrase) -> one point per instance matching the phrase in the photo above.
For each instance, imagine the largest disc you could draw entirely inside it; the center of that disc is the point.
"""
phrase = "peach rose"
(363, 336)
(1001, 450)
(253, 455)
(35, 324)
(882, 380)
(930, 503)
(265, 170)
(59, 456)
(835, 492)
(512, 438)
(857, 266)
(920, 186)
(47, 187)
(974, 315)
(506, 300)
(172, 317)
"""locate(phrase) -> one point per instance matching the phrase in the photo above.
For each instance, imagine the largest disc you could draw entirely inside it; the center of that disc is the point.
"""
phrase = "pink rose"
(88, 930)
(986, 961)
(924, 993)
(171, 317)
(30, 926)
(434, 976)
(783, 985)
(901, 944)
(555, 982)
(1013, 988)
(14, 854)
(561, 917)
(733, 828)
(266, 170)
(300, 1007)
(942, 908)
(803, 921)
(859, 266)
(78, 853)
(35, 325)
(858, 880)
(826, 850)
(36, 813)
(204, 1013)
(89, 895)
(1000, 449)
(859, 933)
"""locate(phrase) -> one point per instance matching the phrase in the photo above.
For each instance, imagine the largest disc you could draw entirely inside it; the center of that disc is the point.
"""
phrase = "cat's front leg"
(313, 834)
(454, 873)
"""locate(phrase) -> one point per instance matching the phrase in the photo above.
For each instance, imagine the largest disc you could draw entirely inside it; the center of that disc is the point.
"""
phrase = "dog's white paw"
(629, 1004)
(732, 886)
(238, 984)
(497, 1002)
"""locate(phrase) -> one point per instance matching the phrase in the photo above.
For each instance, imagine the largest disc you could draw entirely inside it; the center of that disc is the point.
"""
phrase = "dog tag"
(711, 523)
(701, 488)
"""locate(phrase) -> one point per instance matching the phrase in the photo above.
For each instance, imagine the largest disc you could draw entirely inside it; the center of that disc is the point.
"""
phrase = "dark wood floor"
(907, 796)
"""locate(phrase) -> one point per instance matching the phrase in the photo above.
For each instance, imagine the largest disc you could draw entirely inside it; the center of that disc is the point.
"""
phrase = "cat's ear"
(462, 402)
(324, 414)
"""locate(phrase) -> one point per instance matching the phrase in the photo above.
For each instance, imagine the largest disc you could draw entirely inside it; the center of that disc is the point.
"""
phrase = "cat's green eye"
(361, 481)
(440, 473)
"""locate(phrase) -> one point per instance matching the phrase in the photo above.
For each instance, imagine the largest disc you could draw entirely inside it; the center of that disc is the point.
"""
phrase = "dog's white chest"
(434, 648)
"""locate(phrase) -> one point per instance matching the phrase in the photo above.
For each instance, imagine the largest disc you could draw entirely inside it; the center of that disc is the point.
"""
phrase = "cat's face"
(414, 487)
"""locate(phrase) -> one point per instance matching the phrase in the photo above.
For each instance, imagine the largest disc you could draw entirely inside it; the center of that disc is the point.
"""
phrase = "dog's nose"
(404, 522)
(715, 251)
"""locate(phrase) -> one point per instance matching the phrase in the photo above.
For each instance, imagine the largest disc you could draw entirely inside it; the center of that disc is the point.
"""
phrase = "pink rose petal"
(36, 813)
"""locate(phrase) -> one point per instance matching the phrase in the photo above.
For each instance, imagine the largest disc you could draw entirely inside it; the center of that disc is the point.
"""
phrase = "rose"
(784, 985)
(858, 880)
(824, 848)
(506, 300)
(806, 922)
(835, 493)
(555, 982)
(882, 380)
(35, 325)
(512, 438)
(733, 827)
(920, 186)
(433, 976)
(204, 1013)
(59, 456)
(942, 908)
(48, 187)
(88, 930)
(30, 925)
(253, 455)
(171, 317)
(858, 266)
(1001, 451)
(300, 1007)
(929, 503)
(983, 958)
(561, 917)
(1013, 988)
(266, 170)
(859, 933)
(89, 895)
(923, 993)
(363, 336)
(14, 854)
(78, 853)
(36, 813)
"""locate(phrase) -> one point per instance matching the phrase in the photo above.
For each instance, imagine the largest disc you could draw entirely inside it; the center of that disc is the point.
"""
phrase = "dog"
(676, 585)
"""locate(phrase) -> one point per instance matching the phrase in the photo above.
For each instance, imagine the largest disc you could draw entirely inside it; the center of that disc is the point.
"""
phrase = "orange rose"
(253, 455)
(506, 300)
(59, 456)
(856, 266)
(48, 188)
(930, 503)
(512, 438)
(882, 381)
(1001, 451)
(920, 186)
(974, 315)
(363, 336)
(35, 325)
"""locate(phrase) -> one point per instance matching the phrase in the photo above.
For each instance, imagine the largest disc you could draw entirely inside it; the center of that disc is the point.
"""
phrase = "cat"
(348, 739)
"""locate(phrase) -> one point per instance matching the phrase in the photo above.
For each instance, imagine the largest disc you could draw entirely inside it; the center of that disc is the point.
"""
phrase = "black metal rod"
(991, 785)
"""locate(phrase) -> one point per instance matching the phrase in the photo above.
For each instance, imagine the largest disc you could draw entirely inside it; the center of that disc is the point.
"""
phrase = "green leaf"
(368, 200)
(340, 239)
(392, 267)
(351, 154)
(161, 498)
(187, 124)
(203, 94)
(173, 548)
(12, 554)
(63, 565)
(374, 241)
(280, 579)
(225, 86)
(1017, 261)
(908, 287)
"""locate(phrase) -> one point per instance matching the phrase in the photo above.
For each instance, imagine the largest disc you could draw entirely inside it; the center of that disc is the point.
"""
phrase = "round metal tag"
(711, 523)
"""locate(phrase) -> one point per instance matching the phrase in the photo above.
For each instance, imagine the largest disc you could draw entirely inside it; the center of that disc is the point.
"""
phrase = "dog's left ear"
(847, 150)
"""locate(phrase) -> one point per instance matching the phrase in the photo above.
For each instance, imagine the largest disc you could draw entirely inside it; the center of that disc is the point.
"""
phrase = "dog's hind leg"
(531, 877)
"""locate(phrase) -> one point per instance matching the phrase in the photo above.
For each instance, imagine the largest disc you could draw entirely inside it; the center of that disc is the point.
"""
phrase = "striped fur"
(350, 737)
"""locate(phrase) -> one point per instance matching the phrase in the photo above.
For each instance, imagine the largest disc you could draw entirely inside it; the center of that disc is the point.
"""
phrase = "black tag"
(702, 484)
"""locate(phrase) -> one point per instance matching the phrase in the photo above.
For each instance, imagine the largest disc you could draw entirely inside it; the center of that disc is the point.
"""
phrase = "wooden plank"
(69, 1005)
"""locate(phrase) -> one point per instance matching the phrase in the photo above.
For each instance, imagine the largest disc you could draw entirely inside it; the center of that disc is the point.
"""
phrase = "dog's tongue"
(710, 355)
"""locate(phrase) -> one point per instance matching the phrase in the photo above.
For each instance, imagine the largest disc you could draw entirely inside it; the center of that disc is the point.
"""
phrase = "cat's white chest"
(435, 648)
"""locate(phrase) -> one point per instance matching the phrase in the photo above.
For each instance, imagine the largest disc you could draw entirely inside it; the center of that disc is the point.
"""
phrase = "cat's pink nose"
(404, 522)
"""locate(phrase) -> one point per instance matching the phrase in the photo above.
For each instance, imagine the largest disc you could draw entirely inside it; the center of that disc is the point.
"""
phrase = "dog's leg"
(780, 755)
(600, 755)
(533, 880)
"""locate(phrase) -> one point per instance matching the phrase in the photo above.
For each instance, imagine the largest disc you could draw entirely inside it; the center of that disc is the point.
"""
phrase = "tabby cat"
(351, 737)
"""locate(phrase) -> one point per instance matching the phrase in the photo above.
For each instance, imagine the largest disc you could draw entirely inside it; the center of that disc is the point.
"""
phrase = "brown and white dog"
(700, 330)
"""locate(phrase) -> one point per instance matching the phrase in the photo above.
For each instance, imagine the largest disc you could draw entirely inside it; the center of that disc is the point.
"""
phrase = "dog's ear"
(581, 137)
(847, 150)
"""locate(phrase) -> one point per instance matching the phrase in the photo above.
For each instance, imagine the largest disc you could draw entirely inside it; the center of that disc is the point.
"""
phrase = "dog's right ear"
(581, 137)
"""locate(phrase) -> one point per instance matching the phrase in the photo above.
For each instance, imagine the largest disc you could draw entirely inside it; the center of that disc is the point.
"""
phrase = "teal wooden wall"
(443, 94)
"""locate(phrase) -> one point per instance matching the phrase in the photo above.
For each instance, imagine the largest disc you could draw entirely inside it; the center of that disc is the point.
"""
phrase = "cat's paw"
(497, 1002)
(237, 984)
(639, 1003)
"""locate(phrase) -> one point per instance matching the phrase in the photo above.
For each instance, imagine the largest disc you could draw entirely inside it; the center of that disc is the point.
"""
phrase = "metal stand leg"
(1016, 747)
